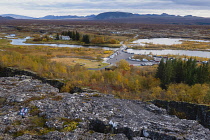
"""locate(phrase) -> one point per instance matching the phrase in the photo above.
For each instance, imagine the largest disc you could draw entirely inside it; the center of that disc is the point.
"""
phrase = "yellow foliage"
(98, 40)
(107, 52)
(123, 64)
(197, 93)
(125, 81)
(113, 41)
(157, 93)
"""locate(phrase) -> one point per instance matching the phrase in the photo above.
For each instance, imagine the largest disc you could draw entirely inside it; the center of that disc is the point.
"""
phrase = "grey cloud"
(108, 4)
(120, 4)
(203, 3)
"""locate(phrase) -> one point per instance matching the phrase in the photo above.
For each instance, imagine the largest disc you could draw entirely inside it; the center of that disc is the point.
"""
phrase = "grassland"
(83, 62)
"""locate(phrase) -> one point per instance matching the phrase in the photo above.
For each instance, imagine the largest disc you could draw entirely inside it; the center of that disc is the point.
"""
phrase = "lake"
(204, 54)
(164, 41)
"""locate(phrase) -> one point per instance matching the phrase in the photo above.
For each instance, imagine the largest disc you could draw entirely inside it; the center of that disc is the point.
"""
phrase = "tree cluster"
(72, 34)
(76, 36)
(86, 39)
(41, 38)
(178, 71)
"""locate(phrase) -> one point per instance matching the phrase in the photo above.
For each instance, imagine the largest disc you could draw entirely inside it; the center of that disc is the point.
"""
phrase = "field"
(83, 62)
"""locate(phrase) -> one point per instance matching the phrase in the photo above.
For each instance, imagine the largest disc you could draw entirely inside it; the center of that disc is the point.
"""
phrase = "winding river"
(21, 42)
(204, 54)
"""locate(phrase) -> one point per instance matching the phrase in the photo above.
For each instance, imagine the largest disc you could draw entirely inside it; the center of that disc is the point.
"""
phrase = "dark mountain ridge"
(14, 16)
(60, 17)
(116, 15)
(113, 15)
(126, 17)
(3, 18)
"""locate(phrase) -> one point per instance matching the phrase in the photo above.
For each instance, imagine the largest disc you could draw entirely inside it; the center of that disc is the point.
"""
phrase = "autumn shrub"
(98, 40)
(114, 41)
(124, 80)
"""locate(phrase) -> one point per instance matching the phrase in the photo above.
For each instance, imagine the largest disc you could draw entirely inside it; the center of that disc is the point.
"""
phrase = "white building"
(65, 37)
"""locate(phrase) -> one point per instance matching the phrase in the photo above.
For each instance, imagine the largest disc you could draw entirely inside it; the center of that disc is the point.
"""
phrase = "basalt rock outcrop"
(84, 116)
(10, 71)
(189, 111)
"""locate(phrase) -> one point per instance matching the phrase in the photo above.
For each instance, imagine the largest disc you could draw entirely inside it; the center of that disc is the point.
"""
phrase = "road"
(122, 54)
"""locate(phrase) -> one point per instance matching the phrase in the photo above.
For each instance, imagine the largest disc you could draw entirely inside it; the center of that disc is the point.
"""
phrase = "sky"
(40, 8)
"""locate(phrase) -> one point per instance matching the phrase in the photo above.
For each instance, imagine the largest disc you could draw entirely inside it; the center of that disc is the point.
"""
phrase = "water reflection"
(174, 52)
(164, 41)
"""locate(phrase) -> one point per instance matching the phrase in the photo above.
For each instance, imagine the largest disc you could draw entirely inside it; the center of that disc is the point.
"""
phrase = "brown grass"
(83, 62)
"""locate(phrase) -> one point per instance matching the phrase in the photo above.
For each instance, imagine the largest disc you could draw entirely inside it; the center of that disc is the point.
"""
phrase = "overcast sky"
(40, 8)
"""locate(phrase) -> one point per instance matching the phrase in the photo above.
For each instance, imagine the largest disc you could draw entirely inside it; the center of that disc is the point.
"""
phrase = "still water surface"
(204, 54)
(164, 41)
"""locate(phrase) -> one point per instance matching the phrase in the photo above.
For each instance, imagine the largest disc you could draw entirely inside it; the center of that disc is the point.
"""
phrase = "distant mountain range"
(118, 15)
(101, 16)
(16, 16)
(114, 15)
(1, 18)
(125, 17)
(50, 17)
(67, 17)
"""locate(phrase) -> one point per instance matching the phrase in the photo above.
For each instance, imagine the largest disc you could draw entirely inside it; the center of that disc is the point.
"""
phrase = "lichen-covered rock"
(85, 116)
(82, 134)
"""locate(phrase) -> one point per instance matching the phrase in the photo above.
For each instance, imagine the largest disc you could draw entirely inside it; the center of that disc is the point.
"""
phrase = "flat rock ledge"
(97, 116)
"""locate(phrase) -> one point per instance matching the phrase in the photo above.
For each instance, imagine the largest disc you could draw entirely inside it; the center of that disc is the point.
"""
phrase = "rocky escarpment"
(189, 111)
(10, 71)
(88, 115)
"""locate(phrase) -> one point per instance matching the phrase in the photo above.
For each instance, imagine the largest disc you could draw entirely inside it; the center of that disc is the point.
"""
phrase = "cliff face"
(88, 115)
(189, 111)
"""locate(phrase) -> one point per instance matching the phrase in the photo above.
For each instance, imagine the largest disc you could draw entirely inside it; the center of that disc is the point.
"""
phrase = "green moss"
(34, 110)
(36, 126)
(34, 98)
(91, 131)
(44, 131)
(18, 133)
(16, 122)
(37, 121)
(70, 127)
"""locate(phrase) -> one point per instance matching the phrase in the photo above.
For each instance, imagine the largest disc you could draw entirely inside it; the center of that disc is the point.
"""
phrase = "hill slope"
(114, 15)
(16, 16)
(3, 18)
(92, 115)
